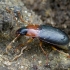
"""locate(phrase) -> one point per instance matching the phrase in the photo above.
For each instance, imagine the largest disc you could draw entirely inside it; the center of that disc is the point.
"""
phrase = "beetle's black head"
(22, 31)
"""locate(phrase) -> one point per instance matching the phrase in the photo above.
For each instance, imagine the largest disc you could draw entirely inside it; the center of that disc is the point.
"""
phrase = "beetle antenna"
(9, 45)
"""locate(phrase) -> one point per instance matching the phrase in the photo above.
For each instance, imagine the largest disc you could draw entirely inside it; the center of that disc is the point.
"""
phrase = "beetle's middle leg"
(42, 48)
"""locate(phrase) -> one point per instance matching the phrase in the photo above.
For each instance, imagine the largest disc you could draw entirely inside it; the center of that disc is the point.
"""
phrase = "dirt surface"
(15, 14)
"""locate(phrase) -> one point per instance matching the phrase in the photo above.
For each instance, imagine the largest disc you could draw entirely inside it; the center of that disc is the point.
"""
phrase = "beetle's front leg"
(17, 56)
(23, 44)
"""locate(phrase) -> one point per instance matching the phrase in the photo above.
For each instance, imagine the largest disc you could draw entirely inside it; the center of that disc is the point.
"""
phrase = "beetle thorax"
(33, 31)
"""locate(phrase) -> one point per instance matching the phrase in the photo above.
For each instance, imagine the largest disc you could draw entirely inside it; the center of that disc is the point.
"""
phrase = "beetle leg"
(7, 9)
(30, 40)
(21, 45)
(55, 49)
(66, 54)
(20, 17)
(22, 20)
(17, 56)
(42, 48)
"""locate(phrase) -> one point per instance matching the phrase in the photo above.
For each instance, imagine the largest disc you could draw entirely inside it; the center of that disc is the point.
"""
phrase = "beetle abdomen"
(53, 35)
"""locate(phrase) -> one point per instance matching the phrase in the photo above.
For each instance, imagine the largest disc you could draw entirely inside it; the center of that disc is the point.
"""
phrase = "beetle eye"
(21, 31)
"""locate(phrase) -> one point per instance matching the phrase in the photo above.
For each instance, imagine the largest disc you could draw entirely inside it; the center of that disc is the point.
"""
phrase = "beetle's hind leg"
(55, 49)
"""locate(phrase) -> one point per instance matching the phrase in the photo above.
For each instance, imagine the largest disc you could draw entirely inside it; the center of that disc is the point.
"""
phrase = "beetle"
(46, 33)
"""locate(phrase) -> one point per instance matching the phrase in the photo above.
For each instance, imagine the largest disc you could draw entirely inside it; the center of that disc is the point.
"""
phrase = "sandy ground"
(18, 13)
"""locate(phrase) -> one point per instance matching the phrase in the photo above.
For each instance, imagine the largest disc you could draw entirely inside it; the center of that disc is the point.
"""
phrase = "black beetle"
(47, 34)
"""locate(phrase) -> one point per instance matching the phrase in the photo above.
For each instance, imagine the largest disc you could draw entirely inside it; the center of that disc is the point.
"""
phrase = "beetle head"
(22, 31)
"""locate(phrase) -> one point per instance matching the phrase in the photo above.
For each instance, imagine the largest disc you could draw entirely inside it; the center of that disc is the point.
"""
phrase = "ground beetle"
(47, 34)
